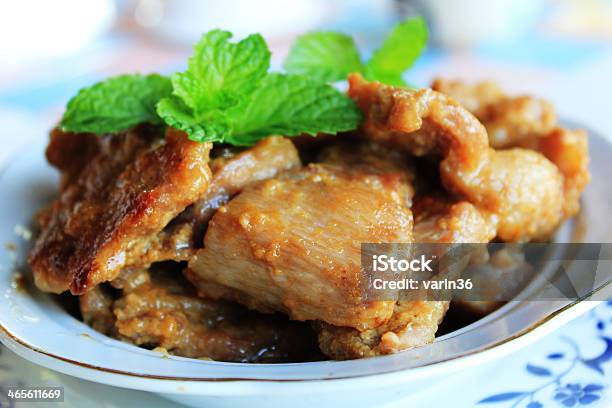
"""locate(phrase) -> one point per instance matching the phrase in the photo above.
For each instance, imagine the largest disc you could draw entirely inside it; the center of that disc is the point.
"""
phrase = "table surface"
(575, 76)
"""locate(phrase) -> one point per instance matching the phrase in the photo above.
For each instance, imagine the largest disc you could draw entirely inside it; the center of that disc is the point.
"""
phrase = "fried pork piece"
(508, 119)
(293, 244)
(441, 220)
(112, 207)
(519, 190)
(161, 309)
(233, 172)
(569, 151)
(373, 158)
(529, 123)
(413, 324)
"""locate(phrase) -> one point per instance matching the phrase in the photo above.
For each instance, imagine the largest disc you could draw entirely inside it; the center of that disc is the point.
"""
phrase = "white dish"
(34, 326)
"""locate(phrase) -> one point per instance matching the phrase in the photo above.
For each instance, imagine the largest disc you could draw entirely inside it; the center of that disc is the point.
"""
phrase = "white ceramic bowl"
(34, 326)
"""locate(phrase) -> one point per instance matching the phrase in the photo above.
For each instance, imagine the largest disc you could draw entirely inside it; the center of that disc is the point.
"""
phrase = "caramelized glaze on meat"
(292, 244)
(123, 196)
(530, 123)
(508, 119)
(280, 237)
(414, 322)
(519, 190)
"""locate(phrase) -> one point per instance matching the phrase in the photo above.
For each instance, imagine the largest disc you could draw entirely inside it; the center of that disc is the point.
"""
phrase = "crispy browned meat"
(519, 190)
(569, 151)
(292, 244)
(413, 324)
(530, 123)
(233, 172)
(105, 219)
(508, 119)
(162, 310)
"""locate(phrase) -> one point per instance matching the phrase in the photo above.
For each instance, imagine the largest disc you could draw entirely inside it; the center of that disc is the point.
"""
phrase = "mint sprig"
(327, 56)
(331, 56)
(291, 105)
(220, 76)
(116, 104)
(225, 95)
(398, 52)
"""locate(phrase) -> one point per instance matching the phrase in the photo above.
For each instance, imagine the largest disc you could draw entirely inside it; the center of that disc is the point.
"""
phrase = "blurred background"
(560, 49)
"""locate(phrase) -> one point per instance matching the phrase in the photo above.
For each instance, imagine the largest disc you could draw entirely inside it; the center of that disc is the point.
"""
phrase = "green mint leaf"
(291, 105)
(398, 52)
(116, 104)
(325, 56)
(176, 114)
(221, 73)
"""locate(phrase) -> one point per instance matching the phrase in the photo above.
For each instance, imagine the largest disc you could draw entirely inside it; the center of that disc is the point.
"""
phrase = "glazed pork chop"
(113, 205)
(132, 199)
(292, 244)
(531, 123)
(508, 119)
(519, 190)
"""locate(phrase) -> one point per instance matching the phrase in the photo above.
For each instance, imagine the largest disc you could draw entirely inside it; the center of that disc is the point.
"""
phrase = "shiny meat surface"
(508, 119)
(123, 196)
(266, 159)
(519, 190)
(292, 244)
(529, 123)
(467, 164)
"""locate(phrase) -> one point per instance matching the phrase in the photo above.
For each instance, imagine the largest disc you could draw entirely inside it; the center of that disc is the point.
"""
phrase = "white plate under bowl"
(34, 326)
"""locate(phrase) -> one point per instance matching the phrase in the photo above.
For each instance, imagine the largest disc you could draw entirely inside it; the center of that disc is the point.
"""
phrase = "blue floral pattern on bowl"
(551, 389)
